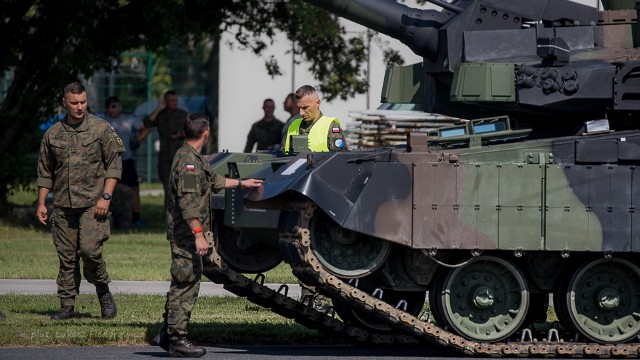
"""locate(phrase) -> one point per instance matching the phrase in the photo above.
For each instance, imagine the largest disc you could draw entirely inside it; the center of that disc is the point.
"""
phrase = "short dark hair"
(169, 92)
(195, 125)
(290, 96)
(305, 90)
(111, 100)
(268, 100)
(74, 88)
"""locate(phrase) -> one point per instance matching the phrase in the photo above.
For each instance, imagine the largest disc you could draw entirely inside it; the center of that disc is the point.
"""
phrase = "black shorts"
(129, 173)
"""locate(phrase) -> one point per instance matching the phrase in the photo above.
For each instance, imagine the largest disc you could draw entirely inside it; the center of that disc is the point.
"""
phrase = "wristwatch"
(106, 196)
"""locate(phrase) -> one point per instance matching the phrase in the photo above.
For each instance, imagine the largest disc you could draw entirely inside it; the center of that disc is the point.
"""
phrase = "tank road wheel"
(243, 252)
(414, 300)
(345, 253)
(484, 300)
(602, 300)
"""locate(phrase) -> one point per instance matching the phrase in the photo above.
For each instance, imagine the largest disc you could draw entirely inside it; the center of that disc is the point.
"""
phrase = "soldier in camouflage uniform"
(188, 219)
(324, 132)
(80, 162)
(170, 121)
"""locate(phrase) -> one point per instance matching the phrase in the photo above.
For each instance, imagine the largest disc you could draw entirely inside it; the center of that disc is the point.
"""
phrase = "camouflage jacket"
(168, 122)
(191, 182)
(74, 160)
(265, 133)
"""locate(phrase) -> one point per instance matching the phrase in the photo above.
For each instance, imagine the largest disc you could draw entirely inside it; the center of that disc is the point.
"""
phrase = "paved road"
(250, 352)
(40, 287)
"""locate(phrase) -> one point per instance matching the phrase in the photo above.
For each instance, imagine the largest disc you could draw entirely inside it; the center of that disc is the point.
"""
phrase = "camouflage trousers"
(186, 271)
(78, 235)
(164, 172)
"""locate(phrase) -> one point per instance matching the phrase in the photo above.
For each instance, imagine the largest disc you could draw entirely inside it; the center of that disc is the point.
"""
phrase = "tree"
(47, 44)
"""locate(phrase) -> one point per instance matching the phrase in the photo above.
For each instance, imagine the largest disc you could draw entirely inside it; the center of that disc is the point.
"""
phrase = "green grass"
(27, 252)
(215, 320)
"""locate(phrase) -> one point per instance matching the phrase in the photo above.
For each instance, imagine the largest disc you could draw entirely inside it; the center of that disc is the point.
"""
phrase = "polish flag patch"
(112, 129)
(335, 129)
(190, 167)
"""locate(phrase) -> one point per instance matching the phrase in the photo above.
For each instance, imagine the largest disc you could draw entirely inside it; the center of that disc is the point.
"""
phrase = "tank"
(463, 237)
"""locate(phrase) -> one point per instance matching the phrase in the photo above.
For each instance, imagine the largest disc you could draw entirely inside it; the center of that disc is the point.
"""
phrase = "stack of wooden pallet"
(380, 128)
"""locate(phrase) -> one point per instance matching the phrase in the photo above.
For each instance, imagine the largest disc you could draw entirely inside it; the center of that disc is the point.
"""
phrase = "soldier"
(324, 132)
(169, 120)
(80, 162)
(188, 219)
(266, 132)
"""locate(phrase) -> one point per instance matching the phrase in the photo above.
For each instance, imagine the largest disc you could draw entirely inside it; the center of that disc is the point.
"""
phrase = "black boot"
(107, 305)
(162, 339)
(184, 348)
(2, 315)
(67, 312)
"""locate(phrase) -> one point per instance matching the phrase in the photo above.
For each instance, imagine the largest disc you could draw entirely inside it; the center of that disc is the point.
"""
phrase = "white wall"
(244, 84)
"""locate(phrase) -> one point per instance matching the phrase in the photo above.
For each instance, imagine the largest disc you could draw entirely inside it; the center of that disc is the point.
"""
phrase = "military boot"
(162, 339)
(2, 315)
(185, 348)
(67, 312)
(107, 305)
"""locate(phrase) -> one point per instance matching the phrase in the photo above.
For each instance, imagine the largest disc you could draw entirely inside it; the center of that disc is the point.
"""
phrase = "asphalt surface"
(250, 352)
(42, 287)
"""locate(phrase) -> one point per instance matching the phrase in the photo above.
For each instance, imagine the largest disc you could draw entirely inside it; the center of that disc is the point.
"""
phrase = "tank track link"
(309, 270)
(216, 269)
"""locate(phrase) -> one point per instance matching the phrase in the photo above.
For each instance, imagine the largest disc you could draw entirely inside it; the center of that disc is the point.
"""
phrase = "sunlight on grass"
(215, 320)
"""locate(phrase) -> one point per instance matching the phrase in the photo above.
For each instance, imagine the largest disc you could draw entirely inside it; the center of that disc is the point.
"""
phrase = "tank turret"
(550, 65)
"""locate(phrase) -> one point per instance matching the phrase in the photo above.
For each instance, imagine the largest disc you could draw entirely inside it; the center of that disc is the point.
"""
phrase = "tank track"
(309, 270)
(216, 269)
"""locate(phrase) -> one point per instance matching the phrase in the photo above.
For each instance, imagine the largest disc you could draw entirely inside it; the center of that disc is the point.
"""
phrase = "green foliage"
(47, 44)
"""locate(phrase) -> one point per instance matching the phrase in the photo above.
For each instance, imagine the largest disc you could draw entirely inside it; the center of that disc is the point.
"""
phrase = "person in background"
(80, 162)
(188, 220)
(169, 120)
(266, 132)
(124, 125)
(291, 107)
(324, 132)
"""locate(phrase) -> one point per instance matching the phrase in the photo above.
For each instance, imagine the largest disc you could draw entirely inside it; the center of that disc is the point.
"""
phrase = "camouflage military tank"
(533, 198)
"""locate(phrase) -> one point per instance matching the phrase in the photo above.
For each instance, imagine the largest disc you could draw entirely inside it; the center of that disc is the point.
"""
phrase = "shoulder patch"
(335, 129)
(339, 143)
(189, 183)
(190, 167)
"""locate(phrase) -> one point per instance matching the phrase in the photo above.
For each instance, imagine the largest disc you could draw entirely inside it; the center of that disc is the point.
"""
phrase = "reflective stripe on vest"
(317, 134)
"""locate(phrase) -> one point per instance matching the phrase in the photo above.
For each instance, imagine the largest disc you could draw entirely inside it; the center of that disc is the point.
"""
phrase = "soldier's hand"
(161, 104)
(251, 183)
(41, 213)
(201, 244)
(102, 209)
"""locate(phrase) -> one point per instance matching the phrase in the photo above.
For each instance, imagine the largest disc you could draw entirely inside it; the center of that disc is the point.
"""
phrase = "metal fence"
(139, 80)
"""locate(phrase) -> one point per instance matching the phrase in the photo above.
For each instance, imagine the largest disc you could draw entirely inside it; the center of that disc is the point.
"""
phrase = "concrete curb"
(49, 287)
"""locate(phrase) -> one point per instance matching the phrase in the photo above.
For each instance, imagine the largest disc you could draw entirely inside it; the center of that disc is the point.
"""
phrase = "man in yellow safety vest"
(324, 132)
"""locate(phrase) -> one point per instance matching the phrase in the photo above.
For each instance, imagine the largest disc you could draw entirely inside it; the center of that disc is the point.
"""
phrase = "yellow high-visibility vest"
(317, 134)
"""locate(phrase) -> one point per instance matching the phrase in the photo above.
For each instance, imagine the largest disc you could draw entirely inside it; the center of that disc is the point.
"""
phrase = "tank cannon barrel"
(416, 28)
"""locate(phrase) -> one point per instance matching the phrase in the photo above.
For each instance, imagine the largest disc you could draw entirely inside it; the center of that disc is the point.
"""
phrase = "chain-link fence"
(139, 80)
